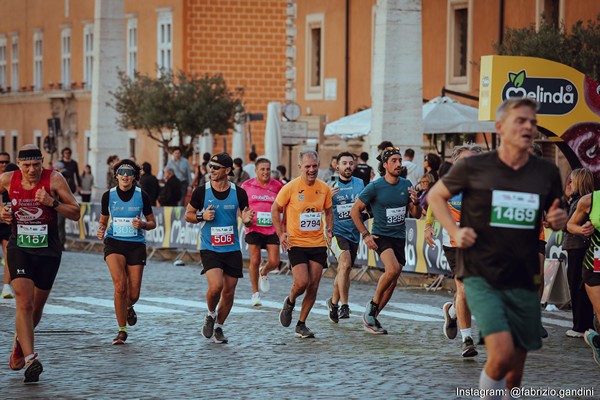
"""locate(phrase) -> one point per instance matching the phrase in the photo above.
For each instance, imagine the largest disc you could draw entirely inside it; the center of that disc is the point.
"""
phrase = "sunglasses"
(4, 162)
(215, 167)
(126, 172)
(391, 149)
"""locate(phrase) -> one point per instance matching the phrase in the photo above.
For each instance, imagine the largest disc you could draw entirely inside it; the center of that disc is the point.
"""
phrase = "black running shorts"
(302, 255)
(590, 277)
(230, 262)
(134, 252)
(41, 270)
(387, 242)
(5, 231)
(262, 240)
(450, 253)
(339, 244)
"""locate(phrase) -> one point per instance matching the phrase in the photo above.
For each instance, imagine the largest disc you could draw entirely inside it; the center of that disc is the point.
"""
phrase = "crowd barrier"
(173, 232)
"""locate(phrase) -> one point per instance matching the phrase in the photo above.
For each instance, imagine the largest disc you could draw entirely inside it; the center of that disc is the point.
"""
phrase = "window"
(552, 11)
(15, 144)
(3, 68)
(66, 58)
(315, 27)
(132, 139)
(14, 63)
(165, 41)
(132, 47)
(88, 144)
(37, 138)
(88, 54)
(458, 69)
(38, 60)
(2, 140)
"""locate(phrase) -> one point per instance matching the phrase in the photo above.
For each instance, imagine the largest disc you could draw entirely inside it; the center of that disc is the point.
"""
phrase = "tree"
(579, 49)
(173, 104)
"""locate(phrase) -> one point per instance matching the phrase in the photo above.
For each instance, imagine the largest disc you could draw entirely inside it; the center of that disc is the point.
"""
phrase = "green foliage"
(171, 103)
(579, 49)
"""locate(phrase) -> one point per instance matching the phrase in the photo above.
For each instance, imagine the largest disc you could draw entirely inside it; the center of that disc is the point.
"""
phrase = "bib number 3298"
(515, 210)
(32, 236)
(221, 235)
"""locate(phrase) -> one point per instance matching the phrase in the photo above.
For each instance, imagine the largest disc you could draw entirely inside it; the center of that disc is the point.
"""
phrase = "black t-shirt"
(363, 171)
(497, 203)
(126, 196)
(73, 175)
(199, 194)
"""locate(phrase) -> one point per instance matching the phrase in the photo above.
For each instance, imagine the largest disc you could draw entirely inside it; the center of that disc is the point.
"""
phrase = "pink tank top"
(260, 199)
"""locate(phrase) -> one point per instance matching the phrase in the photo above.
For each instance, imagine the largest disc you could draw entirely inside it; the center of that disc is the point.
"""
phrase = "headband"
(125, 166)
(30, 155)
(388, 152)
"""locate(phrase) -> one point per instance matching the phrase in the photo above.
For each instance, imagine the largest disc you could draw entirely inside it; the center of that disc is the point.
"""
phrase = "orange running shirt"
(304, 205)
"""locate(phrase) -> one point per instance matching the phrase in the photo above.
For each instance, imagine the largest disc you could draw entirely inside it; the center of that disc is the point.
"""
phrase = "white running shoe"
(255, 301)
(7, 292)
(574, 334)
(263, 281)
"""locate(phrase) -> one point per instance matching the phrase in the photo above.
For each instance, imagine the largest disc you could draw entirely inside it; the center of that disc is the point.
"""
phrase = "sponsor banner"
(173, 232)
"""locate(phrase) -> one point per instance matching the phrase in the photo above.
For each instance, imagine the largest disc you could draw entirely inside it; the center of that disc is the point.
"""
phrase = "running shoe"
(468, 348)
(303, 332)
(371, 323)
(543, 333)
(589, 339)
(7, 292)
(131, 316)
(333, 311)
(121, 338)
(219, 337)
(209, 327)
(17, 358)
(450, 326)
(33, 369)
(263, 281)
(344, 311)
(574, 334)
(255, 301)
(285, 315)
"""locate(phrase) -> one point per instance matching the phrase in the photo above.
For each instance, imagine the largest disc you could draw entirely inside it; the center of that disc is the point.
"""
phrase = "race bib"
(263, 219)
(221, 235)
(395, 216)
(123, 227)
(343, 211)
(310, 221)
(32, 236)
(597, 259)
(515, 210)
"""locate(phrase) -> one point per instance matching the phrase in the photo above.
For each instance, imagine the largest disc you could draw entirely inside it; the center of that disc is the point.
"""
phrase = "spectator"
(412, 169)
(326, 174)
(110, 174)
(239, 174)
(363, 170)
(72, 177)
(425, 183)
(170, 195)
(198, 176)
(282, 170)
(60, 219)
(383, 145)
(183, 172)
(276, 175)
(86, 184)
(149, 183)
(432, 164)
(204, 165)
(249, 168)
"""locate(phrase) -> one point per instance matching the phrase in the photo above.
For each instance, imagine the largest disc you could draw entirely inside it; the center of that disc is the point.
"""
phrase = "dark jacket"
(170, 193)
(149, 184)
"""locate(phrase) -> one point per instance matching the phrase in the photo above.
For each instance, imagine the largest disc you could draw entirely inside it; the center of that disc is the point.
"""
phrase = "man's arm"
(67, 206)
(437, 197)
(329, 222)
(356, 215)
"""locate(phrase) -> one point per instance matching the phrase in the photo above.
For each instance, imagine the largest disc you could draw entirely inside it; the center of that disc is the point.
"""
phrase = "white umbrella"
(205, 144)
(273, 134)
(238, 146)
(440, 115)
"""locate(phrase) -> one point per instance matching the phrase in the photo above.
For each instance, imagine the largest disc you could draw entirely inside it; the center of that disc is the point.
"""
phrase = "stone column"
(397, 77)
(109, 55)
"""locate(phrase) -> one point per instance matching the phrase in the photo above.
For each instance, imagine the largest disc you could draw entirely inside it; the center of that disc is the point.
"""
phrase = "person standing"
(344, 244)
(34, 249)
(412, 169)
(216, 206)
(283, 171)
(262, 192)
(239, 174)
(391, 199)
(250, 167)
(364, 170)
(125, 242)
(86, 184)
(504, 193)
(183, 172)
(73, 178)
(149, 183)
(7, 290)
(110, 175)
(304, 199)
(170, 195)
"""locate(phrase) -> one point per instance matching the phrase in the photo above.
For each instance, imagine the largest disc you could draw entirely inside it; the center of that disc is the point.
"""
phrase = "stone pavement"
(166, 356)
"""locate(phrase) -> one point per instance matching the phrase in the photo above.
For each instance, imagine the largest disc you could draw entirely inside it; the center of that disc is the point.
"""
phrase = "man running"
(459, 310)
(390, 199)
(5, 230)
(262, 191)
(504, 193)
(344, 244)
(34, 249)
(304, 200)
(216, 206)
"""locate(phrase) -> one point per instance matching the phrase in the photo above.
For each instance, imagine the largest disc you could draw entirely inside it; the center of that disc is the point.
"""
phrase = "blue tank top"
(342, 203)
(122, 214)
(221, 234)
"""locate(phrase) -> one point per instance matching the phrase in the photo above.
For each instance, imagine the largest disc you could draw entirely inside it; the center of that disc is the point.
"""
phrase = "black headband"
(30, 155)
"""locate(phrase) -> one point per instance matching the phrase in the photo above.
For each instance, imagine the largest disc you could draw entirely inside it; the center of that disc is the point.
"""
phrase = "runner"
(262, 191)
(504, 193)
(7, 290)
(304, 200)
(216, 206)
(459, 309)
(344, 244)
(390, 198)
(125, 242)
(34, 249)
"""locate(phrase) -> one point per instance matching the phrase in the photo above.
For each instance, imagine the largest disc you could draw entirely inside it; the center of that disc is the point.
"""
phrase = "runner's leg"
(388, 280)
(214, 278)
(315, 271)
(463, 313)
(341, 284)
(301, 279)
(134, 275)
(117, 265)
(24, 299)
(254, 251)
(227, 297)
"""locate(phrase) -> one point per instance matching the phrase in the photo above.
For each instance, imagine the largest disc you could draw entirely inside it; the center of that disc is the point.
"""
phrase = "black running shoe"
(344, 311)
(33, 369)
(303, 332)
(131, 316)
(209, 327)
(333, 311)
(285, 315)
(121, 338)
(219, 337)
(468, 348)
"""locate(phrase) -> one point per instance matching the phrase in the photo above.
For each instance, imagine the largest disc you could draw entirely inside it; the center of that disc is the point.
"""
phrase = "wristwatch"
(55, 204)
(200, 215)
